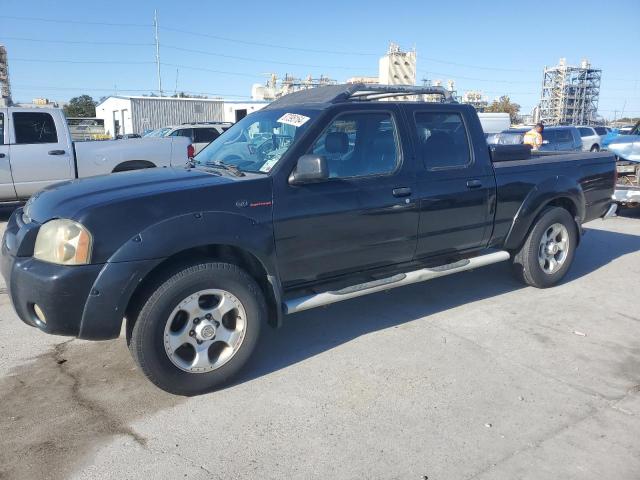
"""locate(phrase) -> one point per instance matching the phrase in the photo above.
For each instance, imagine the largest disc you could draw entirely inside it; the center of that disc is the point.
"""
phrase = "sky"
(64, 48)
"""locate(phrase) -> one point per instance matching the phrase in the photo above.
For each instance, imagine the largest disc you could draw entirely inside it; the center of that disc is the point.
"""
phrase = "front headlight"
(64, 242)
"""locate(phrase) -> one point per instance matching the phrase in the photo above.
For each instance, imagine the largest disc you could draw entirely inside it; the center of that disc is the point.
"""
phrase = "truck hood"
(626, 147)
(73, 199)
(115, 208)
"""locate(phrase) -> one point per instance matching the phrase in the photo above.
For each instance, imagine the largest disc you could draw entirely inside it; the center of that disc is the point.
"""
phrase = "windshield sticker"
(294, 119)
(268, 165)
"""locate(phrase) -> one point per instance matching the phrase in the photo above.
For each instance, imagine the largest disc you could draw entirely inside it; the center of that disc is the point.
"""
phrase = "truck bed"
(517, 179)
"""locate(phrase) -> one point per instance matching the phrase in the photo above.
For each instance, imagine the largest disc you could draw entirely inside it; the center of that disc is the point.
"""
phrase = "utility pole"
(175, 92)
(155, 26)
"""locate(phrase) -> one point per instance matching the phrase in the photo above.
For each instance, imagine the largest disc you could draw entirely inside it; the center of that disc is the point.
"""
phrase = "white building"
(397, 67)
(135, 114)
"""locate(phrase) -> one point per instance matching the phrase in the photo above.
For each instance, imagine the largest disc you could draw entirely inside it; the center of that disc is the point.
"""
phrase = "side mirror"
(309, 169)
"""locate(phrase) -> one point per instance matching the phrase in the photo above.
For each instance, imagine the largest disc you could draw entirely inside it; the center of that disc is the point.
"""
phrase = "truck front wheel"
(198, 328)
(548, 251)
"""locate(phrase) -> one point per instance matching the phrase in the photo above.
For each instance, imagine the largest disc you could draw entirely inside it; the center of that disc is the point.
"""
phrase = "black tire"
(526, 266)
(595, 148)
(147, 335)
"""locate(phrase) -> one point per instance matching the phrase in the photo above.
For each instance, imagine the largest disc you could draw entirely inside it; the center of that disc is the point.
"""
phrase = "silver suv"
(200, 133)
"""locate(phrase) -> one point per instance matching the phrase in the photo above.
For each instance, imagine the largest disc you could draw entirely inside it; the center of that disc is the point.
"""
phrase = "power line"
(498, 69)
(203, 52)
(120, 89)
(187, 32)
(119, 62)
(268, 45)
(78, 42)
(202, 69)
(82, 62)
(75, 22)
(448, 75)
(189, 50)
(261, 60)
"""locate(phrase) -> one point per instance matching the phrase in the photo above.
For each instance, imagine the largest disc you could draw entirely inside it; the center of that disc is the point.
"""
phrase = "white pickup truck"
(36, 150)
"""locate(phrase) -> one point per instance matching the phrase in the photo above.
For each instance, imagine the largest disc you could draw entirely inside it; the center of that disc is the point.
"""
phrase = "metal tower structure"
(5, 87)
(570, 94)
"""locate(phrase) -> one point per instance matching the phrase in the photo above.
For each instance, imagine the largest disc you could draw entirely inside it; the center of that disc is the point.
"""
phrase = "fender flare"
(145, 251)
(559, 188)
(183, 232)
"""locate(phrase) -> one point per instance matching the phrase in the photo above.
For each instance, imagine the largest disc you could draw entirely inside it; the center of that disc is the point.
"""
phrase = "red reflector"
(191, 152)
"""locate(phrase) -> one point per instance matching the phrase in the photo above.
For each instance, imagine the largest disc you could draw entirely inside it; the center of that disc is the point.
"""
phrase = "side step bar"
(295, 305)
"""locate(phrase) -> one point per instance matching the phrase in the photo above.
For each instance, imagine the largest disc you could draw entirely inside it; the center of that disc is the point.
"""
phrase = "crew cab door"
(455, 181)
(41, 151)
(364, 215)
(7, 191)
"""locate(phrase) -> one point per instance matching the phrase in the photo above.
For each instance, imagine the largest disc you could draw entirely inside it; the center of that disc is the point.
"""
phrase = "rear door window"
(34, 127)
(601, 130)
(205, 135)
(585, 132)
(442, 140)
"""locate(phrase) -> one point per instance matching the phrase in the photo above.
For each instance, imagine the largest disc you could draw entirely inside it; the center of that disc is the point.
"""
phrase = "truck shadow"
(307, 334)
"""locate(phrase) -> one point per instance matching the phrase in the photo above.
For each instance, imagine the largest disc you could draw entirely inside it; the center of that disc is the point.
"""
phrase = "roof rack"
(333, 94)
(376, 92)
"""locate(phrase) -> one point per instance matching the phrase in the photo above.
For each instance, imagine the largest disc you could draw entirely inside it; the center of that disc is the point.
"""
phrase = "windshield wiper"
(225, 166)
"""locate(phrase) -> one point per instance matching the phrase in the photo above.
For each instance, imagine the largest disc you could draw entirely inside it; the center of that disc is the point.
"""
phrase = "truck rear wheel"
(198, 328)
(548, 251)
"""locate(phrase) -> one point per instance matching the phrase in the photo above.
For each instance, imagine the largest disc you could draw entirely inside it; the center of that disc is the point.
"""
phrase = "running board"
(317, 300)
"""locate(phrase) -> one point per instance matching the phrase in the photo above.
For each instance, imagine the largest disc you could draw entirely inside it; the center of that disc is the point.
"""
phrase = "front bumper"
(60, 292)
(84, 301)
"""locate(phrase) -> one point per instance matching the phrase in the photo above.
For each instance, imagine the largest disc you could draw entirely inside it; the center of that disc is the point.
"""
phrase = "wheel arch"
(204, 237)
(239, 256)
(559, 192)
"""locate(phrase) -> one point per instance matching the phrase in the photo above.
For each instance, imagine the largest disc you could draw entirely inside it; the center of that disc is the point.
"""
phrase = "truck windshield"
(257, 142)
(158, 132)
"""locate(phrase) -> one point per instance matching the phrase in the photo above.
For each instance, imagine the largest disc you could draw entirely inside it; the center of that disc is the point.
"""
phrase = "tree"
(82, 106)
(505, 105)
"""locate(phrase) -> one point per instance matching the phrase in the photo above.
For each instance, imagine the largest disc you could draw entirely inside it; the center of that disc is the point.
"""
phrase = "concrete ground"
(471, 376)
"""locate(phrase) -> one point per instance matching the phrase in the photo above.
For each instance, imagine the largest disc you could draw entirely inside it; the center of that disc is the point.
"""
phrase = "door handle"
(401, 192)
(2, 155)
(474, 184)
(56, 152)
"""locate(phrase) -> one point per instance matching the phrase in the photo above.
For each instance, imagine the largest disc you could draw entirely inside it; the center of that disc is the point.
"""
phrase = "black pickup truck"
(324, 195)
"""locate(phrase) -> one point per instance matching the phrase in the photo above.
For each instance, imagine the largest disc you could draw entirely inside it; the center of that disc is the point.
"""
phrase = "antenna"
(155, 26)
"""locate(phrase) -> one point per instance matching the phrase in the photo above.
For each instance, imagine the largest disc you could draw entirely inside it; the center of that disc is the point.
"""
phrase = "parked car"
(592, 138)
(331, 196)
(200, 134)
(36, 150)
(627, 150)
(554, 139)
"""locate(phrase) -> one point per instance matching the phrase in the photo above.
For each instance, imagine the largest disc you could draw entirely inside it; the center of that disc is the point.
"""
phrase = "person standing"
(534, 137)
